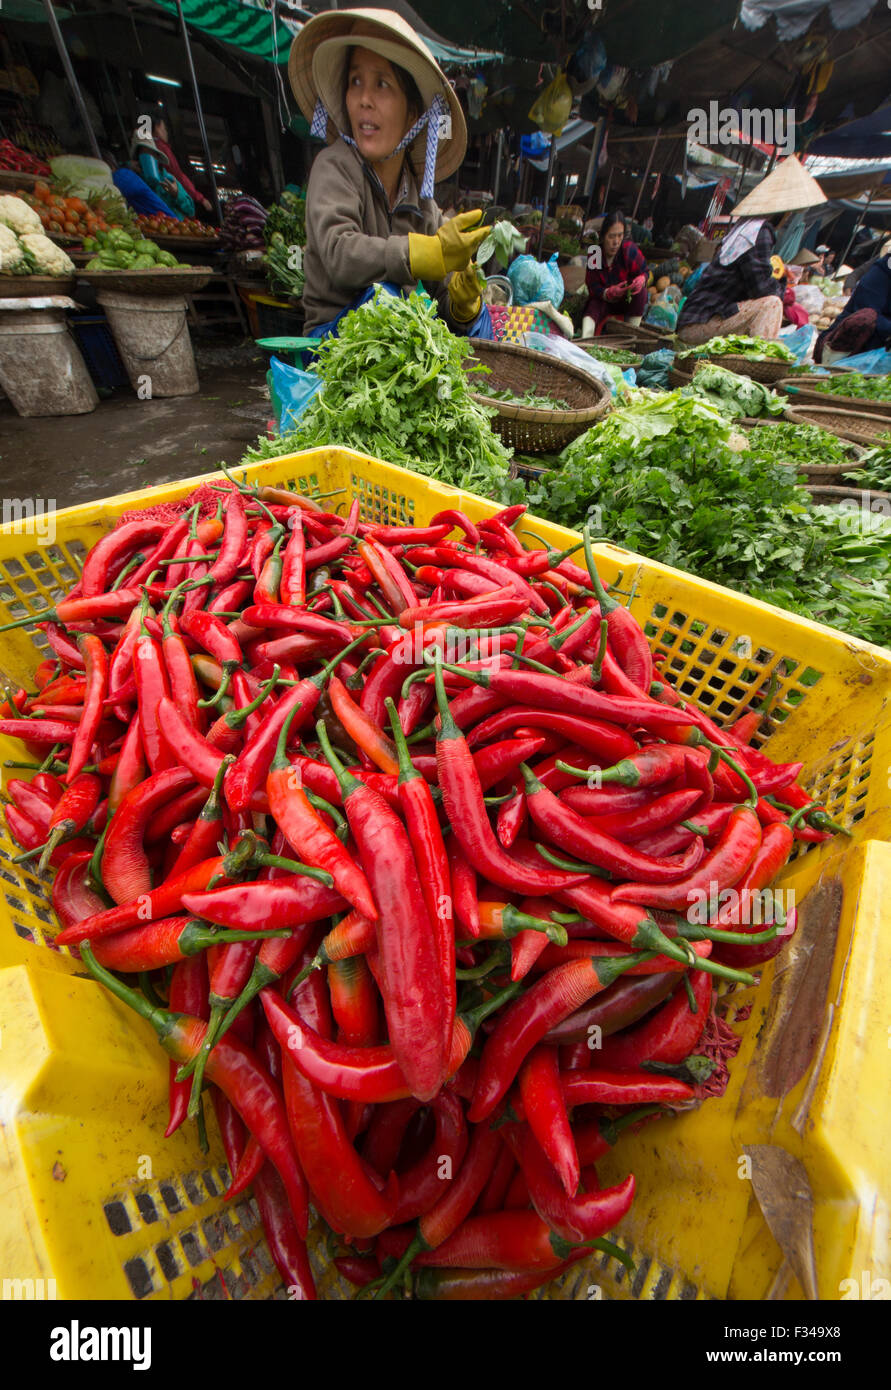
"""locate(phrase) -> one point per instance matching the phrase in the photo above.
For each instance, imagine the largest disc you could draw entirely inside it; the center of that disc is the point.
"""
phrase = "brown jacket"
(354, 239)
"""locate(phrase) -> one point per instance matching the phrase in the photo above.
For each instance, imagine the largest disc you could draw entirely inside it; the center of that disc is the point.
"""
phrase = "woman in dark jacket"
(865, 322)
(617, 281)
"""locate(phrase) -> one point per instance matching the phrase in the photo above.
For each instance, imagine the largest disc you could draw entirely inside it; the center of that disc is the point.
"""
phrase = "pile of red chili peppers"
(394, 834)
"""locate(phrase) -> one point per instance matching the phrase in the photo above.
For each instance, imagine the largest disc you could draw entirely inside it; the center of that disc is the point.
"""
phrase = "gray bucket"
(41, 369)
(152, 336)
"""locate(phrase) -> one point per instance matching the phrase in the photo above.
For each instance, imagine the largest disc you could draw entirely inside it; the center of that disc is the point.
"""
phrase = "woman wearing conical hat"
(741, 290)
(371, 87)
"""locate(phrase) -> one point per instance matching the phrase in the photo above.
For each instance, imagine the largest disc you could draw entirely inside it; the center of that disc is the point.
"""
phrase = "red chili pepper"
(414, 1002)
(574, 1218)
(285, 902)
(368, 736)
(125, 867)
(423, 1185)
(205, 833)
(505, 1240)
(626, 636)
(181, 676)
(669, 1035)
(308, 834)
(341, 1187)
(73, 897)
(152, 686)
(112, 549)
(576, 834)
(724, 865)
(466, 811)
(71, 813)
(40, 730)
(235, 533)
(422, 824)
(188, 995)
(392, 580)
(234, 1068)
(551, 999)
(293, 580)
(249, 770)
(626, 1002)
(547, 1116)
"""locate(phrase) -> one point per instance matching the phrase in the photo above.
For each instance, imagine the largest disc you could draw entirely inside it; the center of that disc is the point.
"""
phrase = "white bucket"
(152, 336)
(41, 369)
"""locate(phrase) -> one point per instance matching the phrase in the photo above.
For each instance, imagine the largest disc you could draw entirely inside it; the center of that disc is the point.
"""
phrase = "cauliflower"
(49, 259)
(11, 253)
(16, 214)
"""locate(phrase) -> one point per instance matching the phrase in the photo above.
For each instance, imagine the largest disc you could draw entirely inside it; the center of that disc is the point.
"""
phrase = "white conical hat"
(316, 70)
(790, 186)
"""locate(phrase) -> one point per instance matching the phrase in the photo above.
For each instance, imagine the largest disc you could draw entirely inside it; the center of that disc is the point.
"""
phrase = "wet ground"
(127, 443)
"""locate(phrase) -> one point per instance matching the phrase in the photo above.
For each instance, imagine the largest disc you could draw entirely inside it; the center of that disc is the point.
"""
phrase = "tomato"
(42, 191)
(54, 226)
(76, 205)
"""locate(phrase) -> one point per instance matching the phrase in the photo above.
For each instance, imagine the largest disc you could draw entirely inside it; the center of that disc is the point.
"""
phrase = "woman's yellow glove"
(465, 299)
(450, 248)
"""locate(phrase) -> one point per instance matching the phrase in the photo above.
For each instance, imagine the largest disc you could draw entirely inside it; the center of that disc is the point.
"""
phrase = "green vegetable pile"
(867, 388)
(874, 468)
(741, 345)
(733, 394)
(668, 486)
(805, 445)
(287, 218)
(528, 398)
(285, 235)
(620, 357)
(118, 250)
(395, 387)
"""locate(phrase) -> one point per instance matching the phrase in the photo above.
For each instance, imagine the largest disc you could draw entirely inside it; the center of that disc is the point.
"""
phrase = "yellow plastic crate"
(772, 1191)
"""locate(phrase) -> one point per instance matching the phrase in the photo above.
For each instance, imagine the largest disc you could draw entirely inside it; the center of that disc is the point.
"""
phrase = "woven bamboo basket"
(677, 377)
(856, 425)
(759, 369)
(528, 429)
(862, 497)
(20, 286)
(175, 280)
(798, 387)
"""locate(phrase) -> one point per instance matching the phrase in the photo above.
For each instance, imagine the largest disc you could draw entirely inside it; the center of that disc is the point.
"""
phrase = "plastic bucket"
(41, 369)
(152, 336)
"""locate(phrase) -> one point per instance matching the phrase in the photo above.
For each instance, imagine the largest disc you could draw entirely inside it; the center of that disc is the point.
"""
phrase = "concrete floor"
(127, 443)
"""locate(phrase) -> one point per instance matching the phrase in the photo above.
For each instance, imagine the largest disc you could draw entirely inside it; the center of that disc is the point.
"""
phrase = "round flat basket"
(18, 286)
(531, 429)
(801, 391)
(858, 426)
(11, 179)
(619, 328)
(177, 280)
(861, 497)
(677, 377)
(759, 369)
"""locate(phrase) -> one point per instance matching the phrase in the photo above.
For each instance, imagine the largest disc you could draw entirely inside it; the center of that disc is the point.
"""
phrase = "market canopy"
(253, 27)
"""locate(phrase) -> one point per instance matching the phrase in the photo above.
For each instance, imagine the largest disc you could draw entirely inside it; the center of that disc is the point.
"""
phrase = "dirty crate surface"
(773, 1191)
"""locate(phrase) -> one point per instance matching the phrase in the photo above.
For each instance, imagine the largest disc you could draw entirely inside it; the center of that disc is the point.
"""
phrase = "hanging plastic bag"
(662, 313)
(551, 108)
(532, 280)
(292, 391)
(800, 340)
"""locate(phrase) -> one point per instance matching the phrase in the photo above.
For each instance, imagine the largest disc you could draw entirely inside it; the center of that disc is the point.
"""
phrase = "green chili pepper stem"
(702, 830)
(607, 604)
(341, 829)
(407, 771)
(752, 799)
(597, 664)
(236, 717)
(694, 932)
(650, 936)
(51, 757)
(802, 811)
(513, 921)
(572, 868)
(160, 1019)
(531, 662)
(277, 861)
(131, 565)
(478, 972)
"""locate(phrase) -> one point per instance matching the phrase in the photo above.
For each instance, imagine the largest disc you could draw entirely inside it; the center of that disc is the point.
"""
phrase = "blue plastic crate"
(98, 349)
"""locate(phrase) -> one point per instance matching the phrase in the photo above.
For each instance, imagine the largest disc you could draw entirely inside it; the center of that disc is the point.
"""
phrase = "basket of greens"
(762, 359)
(848, 390)
(541, 402)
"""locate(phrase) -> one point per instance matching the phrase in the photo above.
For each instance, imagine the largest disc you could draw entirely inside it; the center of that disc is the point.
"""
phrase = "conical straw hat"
(790, 186)
(316, 67)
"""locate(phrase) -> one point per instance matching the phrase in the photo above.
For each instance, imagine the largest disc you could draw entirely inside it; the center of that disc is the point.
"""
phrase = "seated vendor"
(617, 282)
(394, 126)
